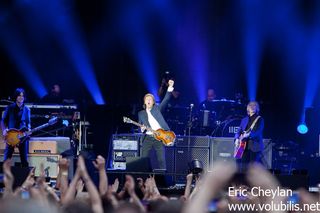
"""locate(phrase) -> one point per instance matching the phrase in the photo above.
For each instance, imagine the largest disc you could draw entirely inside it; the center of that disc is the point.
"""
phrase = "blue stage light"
(302, 128)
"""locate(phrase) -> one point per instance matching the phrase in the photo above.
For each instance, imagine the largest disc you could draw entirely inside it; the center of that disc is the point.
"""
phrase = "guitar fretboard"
(140, 125)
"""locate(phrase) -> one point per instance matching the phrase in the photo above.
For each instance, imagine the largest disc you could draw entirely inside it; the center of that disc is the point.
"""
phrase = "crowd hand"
(187, 189)
(115, 185)
(29, 181)
(214, 182)
(189, 178)
(44, 189)
(198, 182)
(110, 195)
(154, 185)
(258, 176)
(129, 184)
(94, 196)
(151, 190)
(308, 198)
(40, 193)
(8, 178)
(63, 164)
(99, 163)
(79, 186)
(130, 187)
(148, 189)
(82, 166)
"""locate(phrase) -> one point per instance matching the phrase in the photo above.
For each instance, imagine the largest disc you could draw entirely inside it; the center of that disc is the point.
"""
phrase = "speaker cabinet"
(50, 163)
(222, 149)
(170, 159)
(192, 141)
(184, 157)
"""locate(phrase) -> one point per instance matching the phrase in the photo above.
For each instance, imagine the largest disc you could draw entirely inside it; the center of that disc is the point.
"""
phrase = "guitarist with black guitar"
(17, 116)
(249, 137)
(152, 117)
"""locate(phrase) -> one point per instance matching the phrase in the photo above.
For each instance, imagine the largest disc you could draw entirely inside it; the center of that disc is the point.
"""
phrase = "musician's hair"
(17, 93)
(144, 98)
(256, 105)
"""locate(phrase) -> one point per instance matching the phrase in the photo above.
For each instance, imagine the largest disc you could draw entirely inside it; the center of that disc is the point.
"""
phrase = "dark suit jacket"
(156, 111)
(10, 117)
(255, 140)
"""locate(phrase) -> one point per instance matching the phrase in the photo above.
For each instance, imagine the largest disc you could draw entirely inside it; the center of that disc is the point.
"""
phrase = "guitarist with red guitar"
(249, 137)
(17, 116)
(151, 117)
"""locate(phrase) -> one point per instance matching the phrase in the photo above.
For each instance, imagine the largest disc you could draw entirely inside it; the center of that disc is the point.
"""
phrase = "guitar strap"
(254, 122)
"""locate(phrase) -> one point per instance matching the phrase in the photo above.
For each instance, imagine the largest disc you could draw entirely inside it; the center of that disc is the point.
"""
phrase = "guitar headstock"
(53, 120)
(127, 120)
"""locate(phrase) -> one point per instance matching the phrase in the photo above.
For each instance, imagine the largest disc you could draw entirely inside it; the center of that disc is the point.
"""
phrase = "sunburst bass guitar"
(166, 137)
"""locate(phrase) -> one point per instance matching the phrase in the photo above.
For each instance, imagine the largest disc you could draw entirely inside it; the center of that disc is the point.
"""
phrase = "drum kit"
(217, 118)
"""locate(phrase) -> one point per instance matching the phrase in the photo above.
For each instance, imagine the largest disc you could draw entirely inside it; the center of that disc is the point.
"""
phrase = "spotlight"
(302, 128)
(65, 122)
(196, 166)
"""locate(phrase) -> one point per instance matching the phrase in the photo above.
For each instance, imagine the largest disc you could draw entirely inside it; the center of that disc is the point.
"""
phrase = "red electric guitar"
(240, 145)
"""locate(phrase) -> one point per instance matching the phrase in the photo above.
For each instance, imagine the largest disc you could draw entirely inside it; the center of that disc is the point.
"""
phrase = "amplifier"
(121, 144)
(222, 149)
(50, 163)
(63, 143)
(43, 147)
(195, 141)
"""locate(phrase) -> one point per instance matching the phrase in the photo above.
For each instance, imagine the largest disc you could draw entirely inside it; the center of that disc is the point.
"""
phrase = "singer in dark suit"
(254, 138)
(152, 117)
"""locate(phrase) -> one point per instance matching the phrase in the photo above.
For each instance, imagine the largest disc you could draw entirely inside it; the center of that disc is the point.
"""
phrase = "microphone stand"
(189, 130)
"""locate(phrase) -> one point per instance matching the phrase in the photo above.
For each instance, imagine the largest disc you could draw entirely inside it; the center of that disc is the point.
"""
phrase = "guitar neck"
(140, 125)
(38, 128)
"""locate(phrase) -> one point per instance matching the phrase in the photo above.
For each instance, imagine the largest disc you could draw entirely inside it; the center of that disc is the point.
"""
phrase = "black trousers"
(23, 150)
(247, 158)
(148, 142)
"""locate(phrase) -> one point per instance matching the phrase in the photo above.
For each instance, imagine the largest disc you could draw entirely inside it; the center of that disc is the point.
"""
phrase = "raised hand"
(100, 163)
(63, 164)
(129, 184)
(171, 83)
(8, 178)
(115, 185)
(82, 166)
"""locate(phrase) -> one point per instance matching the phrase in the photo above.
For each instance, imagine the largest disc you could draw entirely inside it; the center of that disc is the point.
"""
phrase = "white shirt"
(153, 122)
